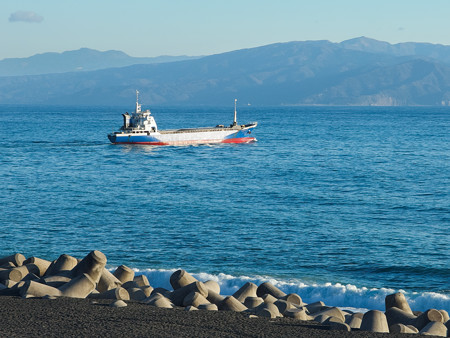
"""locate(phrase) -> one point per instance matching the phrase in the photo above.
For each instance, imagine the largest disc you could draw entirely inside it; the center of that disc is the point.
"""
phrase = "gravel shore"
(68, 317)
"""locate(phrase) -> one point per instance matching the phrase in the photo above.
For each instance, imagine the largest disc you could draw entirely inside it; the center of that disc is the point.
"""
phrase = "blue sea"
(340, 204)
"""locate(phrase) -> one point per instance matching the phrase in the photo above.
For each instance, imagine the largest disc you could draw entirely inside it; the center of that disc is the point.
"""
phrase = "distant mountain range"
(359, 71)
(83, 59)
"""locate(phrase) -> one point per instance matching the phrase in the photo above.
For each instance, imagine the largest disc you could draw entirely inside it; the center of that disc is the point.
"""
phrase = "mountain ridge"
(359, 71)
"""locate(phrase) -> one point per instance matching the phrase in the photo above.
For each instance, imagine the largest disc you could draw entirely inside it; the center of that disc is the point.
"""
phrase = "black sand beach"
(68, 317)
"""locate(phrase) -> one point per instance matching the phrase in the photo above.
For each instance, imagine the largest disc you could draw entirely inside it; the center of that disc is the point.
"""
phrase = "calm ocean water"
(341, 204)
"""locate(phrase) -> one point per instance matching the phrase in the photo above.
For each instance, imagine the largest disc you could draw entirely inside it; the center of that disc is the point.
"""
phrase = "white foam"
(345, 296)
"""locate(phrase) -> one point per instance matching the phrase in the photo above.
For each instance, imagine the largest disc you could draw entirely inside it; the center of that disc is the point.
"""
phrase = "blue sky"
(201, 27)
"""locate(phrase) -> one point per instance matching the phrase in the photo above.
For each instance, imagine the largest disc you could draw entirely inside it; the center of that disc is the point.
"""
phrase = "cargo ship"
(140, 127)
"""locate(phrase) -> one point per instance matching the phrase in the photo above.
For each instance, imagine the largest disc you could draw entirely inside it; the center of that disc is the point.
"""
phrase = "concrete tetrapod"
(266, 313)
(269, 288)
(374, 321)
(268, 298)
(283, 305)
(150, 298)
(117, 293)
(130, 284)
(445, 316)
(267, 310)
(11, 274)
(147, 290)
(137, 294)
(158, 300)
(354, 321)
(118, 303)
(178, 295)
(14, 288)
(252, 302)
(63, 263)
(79, 287)
(295, 313)
(166, 293)
(395, 315)
(190, 308)
(434, 329)
(17, 259)
(8, 265)
(247, 290)
(181, 278)
(315, 307)
(208, 306)
(55, 281)
(321, 318)
(40, 263)
(213, 286)
(293, 298)
(124, 274)
(9, 283)
(141, 280)
(214, 297)
(413, 328)
(332, 312)
(107, 281)
(397, 300)
(26, 269)
(92, 264)
(349, 316)
(31, 276)
(38, 290)
(232, 304)
(401, 328)
(430, 315)
(194, 299)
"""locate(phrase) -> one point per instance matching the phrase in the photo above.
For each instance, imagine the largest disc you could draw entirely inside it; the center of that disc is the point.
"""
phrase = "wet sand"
(68, 317)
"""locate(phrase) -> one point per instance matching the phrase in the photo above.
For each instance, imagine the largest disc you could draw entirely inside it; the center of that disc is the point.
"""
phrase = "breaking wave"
(344, 296)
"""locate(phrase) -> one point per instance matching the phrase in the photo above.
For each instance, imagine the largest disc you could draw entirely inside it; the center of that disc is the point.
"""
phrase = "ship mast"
(138, 107)
(235, 113)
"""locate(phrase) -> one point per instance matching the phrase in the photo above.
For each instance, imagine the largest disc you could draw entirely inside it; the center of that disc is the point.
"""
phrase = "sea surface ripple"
(355, 196)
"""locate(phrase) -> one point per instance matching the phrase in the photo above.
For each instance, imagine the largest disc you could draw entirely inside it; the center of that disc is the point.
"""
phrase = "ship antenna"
(235, 113)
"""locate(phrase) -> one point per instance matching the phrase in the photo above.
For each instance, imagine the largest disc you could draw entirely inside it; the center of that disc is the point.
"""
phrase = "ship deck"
(206, 129)
(193, 130)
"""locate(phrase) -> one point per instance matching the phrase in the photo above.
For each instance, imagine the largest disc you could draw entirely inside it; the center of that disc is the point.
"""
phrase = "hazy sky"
(201, 27)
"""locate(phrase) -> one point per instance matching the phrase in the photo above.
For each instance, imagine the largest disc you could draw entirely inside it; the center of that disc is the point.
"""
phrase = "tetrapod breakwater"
(88, 277)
